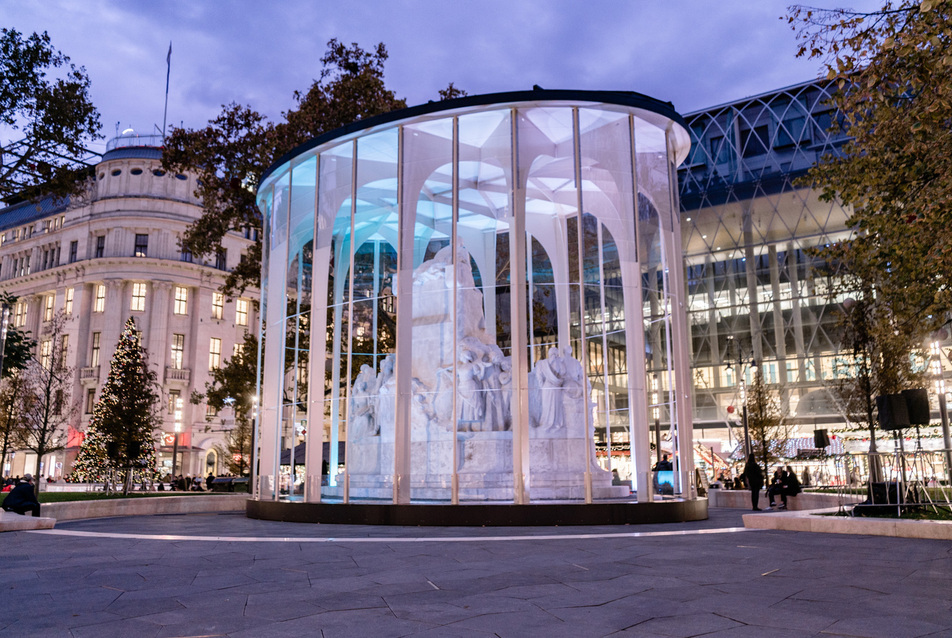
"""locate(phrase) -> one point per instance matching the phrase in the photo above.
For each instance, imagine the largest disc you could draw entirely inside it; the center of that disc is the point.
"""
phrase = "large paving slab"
(226, 575)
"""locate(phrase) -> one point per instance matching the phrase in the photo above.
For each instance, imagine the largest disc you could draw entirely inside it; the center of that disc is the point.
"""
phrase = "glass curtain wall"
(497, 321)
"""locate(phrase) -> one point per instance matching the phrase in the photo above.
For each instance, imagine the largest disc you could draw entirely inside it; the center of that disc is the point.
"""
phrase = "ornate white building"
(113, 255)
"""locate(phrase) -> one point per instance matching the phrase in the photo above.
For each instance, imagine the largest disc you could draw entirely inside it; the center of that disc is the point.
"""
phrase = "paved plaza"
(226, 575)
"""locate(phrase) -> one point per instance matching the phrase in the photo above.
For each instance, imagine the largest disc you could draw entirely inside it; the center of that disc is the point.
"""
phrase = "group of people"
(783, 484)
(187, 483)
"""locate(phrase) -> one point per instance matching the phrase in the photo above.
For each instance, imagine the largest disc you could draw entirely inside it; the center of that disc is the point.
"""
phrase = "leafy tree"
(894, 74)
(768, 435)
(231, 153)
(121, 434)
(44, 404)
(451, 92)
(18, 347)
(894, 71)
(54, 118)
(236, 452)
(234, 385)
(10, 391)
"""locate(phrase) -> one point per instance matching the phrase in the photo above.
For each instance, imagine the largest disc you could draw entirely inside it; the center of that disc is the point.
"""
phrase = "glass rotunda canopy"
(477, 300)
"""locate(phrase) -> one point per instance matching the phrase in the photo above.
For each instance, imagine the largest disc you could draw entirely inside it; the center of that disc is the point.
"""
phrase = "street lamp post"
(743, 393)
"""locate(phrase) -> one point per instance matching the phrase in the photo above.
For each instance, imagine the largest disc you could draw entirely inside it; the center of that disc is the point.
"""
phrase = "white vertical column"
(454, 480)
(314, 459)
(517, 292)
(403, 370)
(680, 337)
(583, 343)
(350, 310)
(270, 414)
(638, 424)
(159, 325)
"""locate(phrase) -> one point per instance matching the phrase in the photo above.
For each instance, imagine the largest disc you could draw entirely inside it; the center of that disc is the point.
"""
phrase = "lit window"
(218, 305)
(236, 350)
(90, 400)
(100, 304)
(64, 348)
(178, 351)
(48, 307)
(138, 297)
(241, 312)
(68, 307)
(46, 353)
(142, 246)
(19, 314)
(175, 405)
(181, 300)
(94, 353)
(214, 354)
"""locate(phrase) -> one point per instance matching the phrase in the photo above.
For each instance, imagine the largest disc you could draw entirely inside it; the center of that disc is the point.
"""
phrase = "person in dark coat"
(22, 499)
(755, 481)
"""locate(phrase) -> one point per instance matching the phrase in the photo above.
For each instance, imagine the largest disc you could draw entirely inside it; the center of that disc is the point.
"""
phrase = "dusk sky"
(693, 53)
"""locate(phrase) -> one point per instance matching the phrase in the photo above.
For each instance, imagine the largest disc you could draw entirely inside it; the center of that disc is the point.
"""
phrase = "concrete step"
(12, 522)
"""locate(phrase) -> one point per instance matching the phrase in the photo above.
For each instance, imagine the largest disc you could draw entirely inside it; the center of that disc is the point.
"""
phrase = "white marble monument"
(560, 444)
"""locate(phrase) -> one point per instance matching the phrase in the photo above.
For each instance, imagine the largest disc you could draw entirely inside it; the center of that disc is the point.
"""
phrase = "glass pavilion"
(458, 297)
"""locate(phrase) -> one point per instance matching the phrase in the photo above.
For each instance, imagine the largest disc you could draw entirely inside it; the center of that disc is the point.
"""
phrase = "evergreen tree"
(121, 434)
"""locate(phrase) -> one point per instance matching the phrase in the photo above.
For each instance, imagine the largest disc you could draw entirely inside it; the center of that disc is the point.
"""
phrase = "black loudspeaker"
(884, 493)
(892, 412)
(133, 450)
(112, 449)
(820, 439)
(917, 406)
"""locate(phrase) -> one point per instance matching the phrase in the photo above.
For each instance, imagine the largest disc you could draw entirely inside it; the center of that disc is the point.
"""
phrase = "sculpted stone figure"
(471, 402)
(362, 406)
(550, 376)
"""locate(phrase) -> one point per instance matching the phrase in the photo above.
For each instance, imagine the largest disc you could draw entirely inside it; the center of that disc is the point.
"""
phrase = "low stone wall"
(815, 522)
(740, 499)
(145, 506)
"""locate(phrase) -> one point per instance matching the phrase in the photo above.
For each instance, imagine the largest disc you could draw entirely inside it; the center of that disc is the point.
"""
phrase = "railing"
(177, 374)
(134, 139)
(89, 373)
(894, 480)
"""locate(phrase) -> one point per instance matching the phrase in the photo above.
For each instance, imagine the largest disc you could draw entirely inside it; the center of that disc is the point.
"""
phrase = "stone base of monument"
(482, 514)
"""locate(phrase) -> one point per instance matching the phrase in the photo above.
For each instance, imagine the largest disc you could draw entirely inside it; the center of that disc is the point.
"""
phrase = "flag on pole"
(168, 72)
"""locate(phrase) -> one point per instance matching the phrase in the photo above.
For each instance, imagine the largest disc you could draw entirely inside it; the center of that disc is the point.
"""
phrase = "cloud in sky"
(694, 53)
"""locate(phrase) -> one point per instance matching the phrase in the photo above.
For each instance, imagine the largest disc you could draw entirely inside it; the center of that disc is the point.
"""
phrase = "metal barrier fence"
(901, 479)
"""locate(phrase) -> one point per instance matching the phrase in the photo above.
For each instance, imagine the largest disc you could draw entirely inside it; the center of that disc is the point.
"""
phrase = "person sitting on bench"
(22, 499)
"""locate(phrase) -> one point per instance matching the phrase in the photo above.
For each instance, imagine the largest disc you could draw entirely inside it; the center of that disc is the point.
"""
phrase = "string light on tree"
(121, 434)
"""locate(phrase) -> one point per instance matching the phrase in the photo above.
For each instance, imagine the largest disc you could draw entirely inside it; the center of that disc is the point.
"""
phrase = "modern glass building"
(755, 292)
(470, 294)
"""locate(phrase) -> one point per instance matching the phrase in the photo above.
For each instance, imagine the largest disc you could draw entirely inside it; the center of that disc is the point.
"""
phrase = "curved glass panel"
(482, 297)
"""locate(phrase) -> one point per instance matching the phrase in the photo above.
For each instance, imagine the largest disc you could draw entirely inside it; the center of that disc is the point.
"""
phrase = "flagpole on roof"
(168, 71)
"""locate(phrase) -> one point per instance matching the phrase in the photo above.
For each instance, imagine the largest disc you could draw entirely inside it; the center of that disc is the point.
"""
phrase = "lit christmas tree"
(121, 434)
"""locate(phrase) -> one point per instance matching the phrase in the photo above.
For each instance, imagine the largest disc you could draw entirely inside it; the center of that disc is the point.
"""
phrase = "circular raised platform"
(481, 514)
